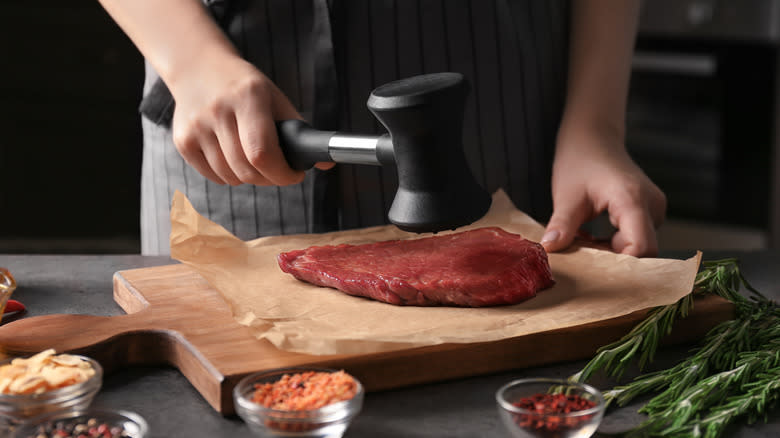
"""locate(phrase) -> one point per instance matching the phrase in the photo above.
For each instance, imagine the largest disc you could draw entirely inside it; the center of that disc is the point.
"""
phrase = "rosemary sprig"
(724, 278)
(719, 276)
(758, 396)
(614, 358)
(734, 373)
(720, 351)
(724, 396)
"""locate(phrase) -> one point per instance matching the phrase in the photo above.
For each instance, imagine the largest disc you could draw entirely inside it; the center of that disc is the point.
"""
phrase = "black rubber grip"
(303, 146)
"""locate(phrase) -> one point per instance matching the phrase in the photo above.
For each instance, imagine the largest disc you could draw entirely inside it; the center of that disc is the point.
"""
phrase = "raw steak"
(482, 267)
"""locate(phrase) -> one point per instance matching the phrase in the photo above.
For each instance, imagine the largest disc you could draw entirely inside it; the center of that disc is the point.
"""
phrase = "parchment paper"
(591, 285)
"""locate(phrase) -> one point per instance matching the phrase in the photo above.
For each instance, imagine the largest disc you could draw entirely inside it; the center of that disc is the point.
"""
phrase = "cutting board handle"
(63, 332)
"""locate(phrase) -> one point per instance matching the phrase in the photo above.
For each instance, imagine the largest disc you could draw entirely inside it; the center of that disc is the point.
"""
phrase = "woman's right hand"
(224, 124)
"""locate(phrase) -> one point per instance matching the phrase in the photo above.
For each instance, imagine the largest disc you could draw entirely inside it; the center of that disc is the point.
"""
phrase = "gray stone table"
(173, 408)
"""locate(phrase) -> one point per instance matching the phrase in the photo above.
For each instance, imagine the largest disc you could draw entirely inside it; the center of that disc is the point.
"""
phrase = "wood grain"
(174, 317)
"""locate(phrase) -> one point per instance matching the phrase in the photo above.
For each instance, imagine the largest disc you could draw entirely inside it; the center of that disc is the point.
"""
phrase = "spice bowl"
(542, 407)
(87, 423)
(328, 421)
(19, 408)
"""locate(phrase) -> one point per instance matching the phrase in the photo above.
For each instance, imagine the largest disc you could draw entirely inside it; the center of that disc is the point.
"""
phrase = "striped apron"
(327, 56)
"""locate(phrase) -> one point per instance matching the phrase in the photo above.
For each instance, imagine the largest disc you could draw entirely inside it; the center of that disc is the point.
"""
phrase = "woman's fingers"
(259, 141)
(325, 165)
(198, 161)
(231, 146)
(571, 210)
(226, 128)
(635, 233)
(216, 159)
(190, 146)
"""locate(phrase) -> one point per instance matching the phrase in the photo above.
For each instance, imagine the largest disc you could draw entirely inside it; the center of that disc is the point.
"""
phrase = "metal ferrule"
(353, 149)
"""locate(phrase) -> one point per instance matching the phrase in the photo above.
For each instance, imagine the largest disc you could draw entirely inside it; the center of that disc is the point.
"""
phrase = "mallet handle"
(303, 146)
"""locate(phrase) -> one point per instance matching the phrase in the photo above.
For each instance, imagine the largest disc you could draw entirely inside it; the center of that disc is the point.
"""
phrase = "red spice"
(543, 408)
(302, 392)
(13, 306)
(305, 391)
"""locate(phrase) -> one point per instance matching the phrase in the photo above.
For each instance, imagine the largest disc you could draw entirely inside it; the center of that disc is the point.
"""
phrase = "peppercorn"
(92, 428)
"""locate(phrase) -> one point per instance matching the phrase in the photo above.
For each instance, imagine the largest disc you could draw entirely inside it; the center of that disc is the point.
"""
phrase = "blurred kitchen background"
(703, 122)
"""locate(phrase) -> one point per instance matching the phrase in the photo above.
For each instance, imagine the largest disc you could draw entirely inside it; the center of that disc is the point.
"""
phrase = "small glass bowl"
(17, 408)
(133, 424)
(523, 423)
(7, 287)
(329, 421)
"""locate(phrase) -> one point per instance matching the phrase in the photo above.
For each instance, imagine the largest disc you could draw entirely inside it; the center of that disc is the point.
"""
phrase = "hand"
(224, 124)
(594, 174)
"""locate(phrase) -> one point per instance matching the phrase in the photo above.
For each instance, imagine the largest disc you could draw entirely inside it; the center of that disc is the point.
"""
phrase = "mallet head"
(424, 117)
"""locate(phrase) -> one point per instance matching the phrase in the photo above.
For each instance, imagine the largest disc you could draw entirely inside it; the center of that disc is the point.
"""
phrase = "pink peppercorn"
(79, 429)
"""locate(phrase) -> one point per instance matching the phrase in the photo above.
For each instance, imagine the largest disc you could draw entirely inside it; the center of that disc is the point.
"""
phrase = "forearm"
(178, 37)
(602, 40)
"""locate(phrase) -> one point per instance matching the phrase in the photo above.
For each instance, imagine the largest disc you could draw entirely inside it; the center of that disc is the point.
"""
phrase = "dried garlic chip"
(5, 382)
(42, 356)
(58, 377)
(67, 360)
(35, 368)
(28, 385)
(43, 372)
(12, 371)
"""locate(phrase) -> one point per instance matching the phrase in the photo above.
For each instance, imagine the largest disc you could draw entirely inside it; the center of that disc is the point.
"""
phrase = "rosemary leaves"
(734, 373)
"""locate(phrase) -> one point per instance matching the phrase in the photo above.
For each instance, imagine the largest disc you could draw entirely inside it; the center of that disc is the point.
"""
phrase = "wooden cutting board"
(175, 317)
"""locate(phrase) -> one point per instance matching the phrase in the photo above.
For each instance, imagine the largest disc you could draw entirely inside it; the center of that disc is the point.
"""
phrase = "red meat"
(482, 267)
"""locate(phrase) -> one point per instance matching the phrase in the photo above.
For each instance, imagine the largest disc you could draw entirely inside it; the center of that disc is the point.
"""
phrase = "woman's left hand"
(592, 174)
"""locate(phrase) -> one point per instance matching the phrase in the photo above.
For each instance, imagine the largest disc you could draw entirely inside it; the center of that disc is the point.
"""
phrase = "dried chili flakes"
(305, 391)
(544, 410)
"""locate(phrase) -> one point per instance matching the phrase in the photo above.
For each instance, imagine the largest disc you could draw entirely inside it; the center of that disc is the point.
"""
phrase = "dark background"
(70, 150)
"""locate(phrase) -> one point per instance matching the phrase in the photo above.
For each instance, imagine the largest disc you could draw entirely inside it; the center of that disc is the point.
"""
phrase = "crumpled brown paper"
(591, 285)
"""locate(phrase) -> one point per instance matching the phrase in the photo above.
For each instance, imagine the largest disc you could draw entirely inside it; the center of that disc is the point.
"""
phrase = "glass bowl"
(527, 423)
(17, 408)
(7, 287)
(330, 421)
(45, 426)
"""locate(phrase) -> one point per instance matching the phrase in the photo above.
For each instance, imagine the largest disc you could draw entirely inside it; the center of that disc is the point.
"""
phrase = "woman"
(546, 114)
